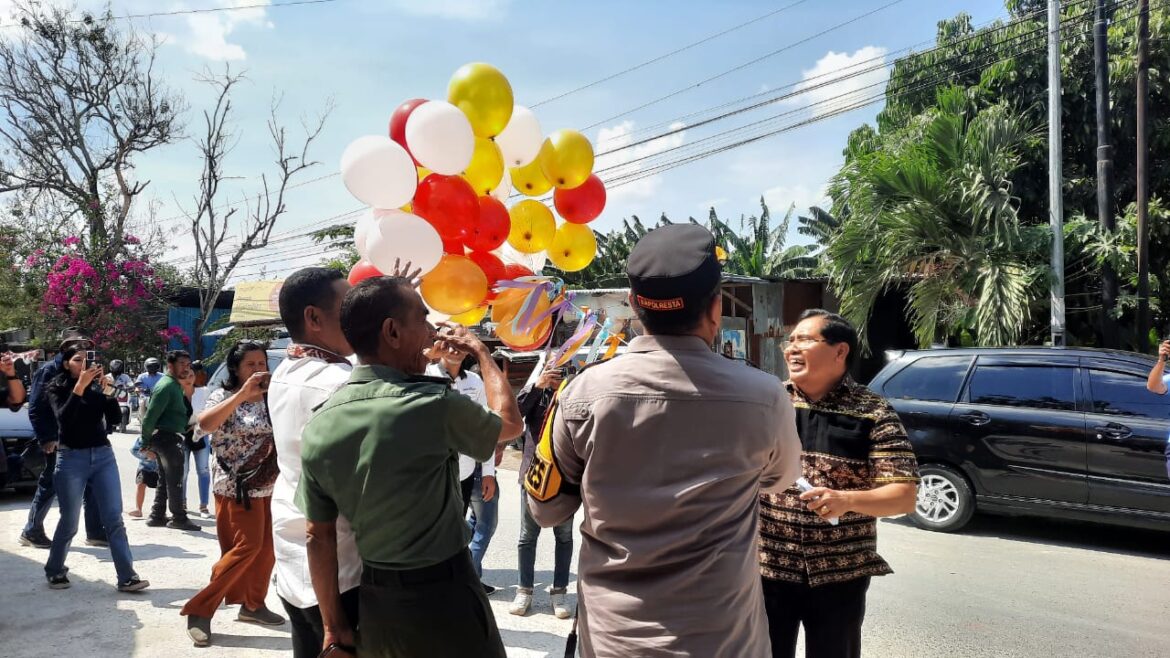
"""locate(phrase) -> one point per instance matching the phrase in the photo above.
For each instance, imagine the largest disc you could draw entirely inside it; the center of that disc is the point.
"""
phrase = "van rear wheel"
(945, 501)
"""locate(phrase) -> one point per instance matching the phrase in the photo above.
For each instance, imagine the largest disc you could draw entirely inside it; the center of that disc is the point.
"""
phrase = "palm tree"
(820, 225)
(759, 250)
(608, 269)
(932, 210)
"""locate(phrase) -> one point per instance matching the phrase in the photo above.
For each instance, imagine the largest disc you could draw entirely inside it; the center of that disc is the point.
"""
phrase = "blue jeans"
(97, 468)
(43, 500)
(482, 520)
(201, 469)
(526, 549)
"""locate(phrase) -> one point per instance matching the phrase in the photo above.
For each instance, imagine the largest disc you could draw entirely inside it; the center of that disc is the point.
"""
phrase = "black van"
(1059, 432)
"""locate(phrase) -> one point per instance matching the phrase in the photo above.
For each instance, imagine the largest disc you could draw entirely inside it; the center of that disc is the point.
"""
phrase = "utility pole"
(1109, 333)
(1143, 190)
(1055, 175)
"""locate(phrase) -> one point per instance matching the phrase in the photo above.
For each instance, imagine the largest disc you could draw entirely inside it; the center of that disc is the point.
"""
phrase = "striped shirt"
(851, 440)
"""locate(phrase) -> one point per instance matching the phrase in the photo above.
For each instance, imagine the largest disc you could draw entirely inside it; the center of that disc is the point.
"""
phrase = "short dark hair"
(367, 306)
(235, 357)
(836, 330)
(676, 323)
(311, 286)
(174, 355)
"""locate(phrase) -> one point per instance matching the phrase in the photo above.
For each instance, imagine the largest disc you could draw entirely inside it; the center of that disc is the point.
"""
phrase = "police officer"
(667, 449)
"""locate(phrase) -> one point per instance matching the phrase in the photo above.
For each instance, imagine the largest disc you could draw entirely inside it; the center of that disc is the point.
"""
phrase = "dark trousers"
(169, 448)
(43, 500)
(438, 612)
(308, 629)
(831, 615)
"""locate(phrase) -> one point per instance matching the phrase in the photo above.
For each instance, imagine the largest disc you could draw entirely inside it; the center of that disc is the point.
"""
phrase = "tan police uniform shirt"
(671, 445)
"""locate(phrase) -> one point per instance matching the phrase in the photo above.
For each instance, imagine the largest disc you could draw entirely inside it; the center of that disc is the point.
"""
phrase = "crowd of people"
(721, 509)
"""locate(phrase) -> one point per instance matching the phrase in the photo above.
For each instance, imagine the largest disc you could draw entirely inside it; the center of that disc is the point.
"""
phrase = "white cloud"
(461, 10)
(839, 79)
(632, 161)
(781, 197)
(207, 34)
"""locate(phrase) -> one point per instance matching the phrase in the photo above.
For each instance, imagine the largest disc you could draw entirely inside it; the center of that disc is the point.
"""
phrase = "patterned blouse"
(244, 445)
(852, 440)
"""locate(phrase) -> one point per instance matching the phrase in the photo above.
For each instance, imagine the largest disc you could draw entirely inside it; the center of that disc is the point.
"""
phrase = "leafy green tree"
(933, 209)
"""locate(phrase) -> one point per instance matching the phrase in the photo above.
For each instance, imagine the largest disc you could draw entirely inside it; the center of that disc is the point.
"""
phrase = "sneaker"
(558, 604)
(60, 581)
(521, 603)
(36, 541)
(262, 616)
(184, 525)
(134, 514)
(489, 589)
(199, 630)
(96, 542)
(205, 514)
(157, 523)
(135, 584)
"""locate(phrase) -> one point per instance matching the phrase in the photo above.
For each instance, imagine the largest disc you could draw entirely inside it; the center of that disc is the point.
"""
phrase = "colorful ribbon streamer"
(576, 341)
(599, 340)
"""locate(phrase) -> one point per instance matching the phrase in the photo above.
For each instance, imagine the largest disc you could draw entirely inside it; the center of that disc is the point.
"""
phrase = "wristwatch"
(13, 378)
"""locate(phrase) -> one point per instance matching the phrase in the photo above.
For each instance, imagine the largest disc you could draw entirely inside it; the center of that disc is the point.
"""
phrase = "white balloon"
(378, 172)
(521, 140)
(401, 238)
(504, 189)
(440, 137)
(361, 231)
(510, 256)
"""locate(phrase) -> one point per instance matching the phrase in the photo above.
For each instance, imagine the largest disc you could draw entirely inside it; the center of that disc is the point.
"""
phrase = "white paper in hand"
(804, 485)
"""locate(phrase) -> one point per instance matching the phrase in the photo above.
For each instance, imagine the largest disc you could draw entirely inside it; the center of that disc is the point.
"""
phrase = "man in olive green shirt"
(383, 452)
(163, 425)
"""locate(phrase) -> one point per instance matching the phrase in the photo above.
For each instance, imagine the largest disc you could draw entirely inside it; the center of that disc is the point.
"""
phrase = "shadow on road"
(1087, 536)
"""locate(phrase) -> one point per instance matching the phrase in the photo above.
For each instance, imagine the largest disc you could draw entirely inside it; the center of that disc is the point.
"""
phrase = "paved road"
(1009, 587)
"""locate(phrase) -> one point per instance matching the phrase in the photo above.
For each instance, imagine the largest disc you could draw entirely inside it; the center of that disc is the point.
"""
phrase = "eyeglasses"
(800, 342)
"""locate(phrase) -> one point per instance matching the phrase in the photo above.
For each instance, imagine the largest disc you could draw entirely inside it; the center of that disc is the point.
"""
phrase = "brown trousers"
(243, 571)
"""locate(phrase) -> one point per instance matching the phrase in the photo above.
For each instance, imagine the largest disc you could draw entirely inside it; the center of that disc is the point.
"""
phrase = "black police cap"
(674, 267)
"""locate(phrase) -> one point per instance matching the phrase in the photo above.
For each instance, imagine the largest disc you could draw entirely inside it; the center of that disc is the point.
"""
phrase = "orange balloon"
(455, 286)
(505, 309)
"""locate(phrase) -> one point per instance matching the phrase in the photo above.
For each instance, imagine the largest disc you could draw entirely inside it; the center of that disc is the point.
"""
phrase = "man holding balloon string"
(383, 452)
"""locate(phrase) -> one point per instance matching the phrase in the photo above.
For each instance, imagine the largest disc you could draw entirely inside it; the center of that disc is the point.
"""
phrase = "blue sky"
(369, 55)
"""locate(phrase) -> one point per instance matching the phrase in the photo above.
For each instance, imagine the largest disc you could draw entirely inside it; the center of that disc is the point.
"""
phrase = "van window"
(1038, 387)
(931, 378)
(1121, 394)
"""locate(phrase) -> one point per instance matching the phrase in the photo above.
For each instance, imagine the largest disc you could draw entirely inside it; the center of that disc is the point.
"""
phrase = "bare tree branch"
(209, 226)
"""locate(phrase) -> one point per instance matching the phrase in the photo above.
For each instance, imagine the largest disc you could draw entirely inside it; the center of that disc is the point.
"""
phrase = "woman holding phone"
(244, 471)
(84, 458)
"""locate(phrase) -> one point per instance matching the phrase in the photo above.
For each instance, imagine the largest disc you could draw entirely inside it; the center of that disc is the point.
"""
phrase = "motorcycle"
(122, 395)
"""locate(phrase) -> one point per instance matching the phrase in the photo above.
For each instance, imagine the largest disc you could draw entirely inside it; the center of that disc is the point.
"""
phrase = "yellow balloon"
(423, 172)
(407, 208)
(484, 95)
(573, 248)
(455, 286)
(472, 317)
(529, 180)
(486, 168)
(566, 159)
(533, 227)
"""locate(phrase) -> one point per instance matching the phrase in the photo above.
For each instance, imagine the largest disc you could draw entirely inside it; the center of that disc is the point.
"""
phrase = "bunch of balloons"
(437, 186)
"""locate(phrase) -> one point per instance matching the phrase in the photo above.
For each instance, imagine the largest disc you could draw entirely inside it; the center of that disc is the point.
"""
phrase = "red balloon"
(492, 267)
(454, 246)
(448, 203)
(493, 226)
(361, 271)
(514, 271)
(398, 123)
(583, 203)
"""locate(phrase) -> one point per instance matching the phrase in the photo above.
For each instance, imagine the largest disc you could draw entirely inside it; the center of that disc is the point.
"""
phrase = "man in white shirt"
(310, 306)
(477, 480)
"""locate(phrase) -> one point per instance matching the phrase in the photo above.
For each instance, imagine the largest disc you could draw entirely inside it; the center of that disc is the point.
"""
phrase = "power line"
(201, 10)
(669, 54)
(746, 64)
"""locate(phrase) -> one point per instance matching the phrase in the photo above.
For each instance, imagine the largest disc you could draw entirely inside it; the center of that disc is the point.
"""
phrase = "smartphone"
(91, 357)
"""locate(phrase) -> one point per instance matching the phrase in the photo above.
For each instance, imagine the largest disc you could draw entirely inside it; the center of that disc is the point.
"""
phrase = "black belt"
(455, 567)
